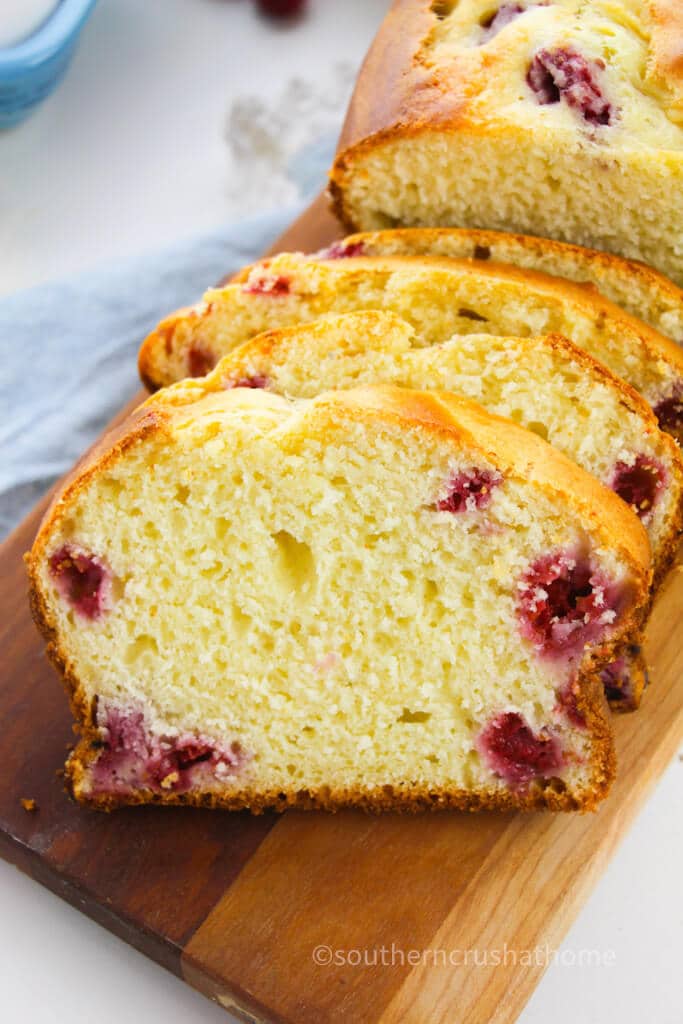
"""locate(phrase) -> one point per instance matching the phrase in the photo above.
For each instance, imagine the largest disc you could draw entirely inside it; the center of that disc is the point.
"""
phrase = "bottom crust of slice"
(552, 794)
(549, 795)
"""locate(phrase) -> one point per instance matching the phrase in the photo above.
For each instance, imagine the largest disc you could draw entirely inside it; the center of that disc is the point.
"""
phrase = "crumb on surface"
(29, 804)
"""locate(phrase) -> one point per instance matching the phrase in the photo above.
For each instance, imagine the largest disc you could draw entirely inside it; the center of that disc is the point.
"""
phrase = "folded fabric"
(68, 350)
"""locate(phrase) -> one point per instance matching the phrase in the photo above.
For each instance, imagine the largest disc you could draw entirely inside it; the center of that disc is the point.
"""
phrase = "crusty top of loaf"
(253, 356)
(582, 294)
(653, 297)
(433, 65)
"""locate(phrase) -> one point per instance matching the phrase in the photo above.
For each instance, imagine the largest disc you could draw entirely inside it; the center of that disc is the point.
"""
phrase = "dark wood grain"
(237, 904)
(150, 877)
(148, 874)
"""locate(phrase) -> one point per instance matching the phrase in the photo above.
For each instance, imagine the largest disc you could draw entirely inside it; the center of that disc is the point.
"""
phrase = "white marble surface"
(133, 151)
(129, 154)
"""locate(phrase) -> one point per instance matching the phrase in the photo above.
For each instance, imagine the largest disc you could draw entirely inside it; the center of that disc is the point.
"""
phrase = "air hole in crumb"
(414, 716)
(538, 428)
(182, 493)
(241, 621)
(443, 8)
(296, 562)
(141, 646)
(221, 528)
(471, 314)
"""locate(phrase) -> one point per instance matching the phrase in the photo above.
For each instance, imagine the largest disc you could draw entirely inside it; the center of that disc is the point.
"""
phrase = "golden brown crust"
(586, 295)
(656, 346)
(522, 452)
(403, 90)
(254, 355)
(410, 94)
(396, 95)
(160, 338)
(594, 263)
(666, 63)
(134, 429)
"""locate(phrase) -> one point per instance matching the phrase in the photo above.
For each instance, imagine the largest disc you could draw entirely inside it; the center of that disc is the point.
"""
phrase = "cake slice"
(637, 288)
(544, 383)
(559, 119)
(376, 598)
(438, 297)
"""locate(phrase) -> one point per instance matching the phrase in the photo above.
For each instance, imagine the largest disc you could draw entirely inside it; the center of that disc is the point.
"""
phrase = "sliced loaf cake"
(377, 598)
(544, 383)
(560, 118)
(640, 290)
(438, 297)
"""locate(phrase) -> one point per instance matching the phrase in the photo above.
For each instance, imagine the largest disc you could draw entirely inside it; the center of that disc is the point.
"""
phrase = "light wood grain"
(456, 882)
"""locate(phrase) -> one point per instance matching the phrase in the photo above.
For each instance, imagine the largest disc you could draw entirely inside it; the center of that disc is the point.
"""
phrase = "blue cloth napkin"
(68, 350)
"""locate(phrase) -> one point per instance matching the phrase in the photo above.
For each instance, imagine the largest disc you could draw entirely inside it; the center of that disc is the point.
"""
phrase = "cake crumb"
(170, 780)
(29, 804)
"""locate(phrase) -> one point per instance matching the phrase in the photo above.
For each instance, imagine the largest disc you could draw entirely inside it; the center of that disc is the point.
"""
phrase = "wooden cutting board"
(238, 905)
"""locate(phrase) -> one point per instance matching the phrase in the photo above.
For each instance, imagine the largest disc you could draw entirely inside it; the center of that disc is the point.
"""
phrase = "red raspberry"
(566, 700)
(281, 8)
(255, 381)
(469, 490)
(512, 751)
(500, 18)
(82, 579)
(133, 757)
(564, 604)
(264, 284)
(640, 484)
(669, 412)
(200, 361)
(341, 250)
(565, 74)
